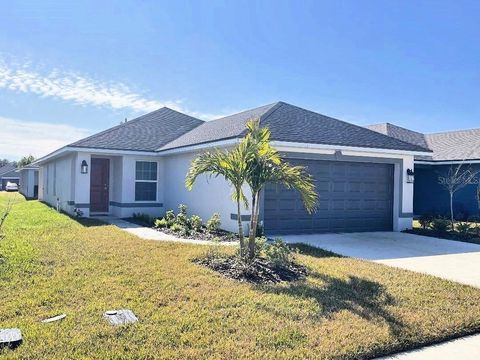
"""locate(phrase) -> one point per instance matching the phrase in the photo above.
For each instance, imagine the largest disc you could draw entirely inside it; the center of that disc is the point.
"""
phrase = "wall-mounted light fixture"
(84, 167)
(410, 176)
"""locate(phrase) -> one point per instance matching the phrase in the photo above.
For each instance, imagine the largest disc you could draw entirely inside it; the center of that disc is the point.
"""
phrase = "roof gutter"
(69, 149)
(447, 162)
(292, 146)
(310, 146)
(189, 148)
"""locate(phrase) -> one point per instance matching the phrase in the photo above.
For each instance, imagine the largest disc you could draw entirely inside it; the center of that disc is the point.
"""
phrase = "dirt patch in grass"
(260, 271)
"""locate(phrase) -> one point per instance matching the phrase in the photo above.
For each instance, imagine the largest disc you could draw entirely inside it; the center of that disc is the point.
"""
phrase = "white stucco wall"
(55, 182)
(124, 187)
(209, 194)
(28, 180)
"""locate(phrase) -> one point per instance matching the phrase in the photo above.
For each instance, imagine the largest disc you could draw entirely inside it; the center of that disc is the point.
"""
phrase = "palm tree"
(266, 166)
(232, 165)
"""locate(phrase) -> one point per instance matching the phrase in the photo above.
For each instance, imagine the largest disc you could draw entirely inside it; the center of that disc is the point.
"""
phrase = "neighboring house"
(449, 149)
(140, 167)
(8, 174)
(28, 185)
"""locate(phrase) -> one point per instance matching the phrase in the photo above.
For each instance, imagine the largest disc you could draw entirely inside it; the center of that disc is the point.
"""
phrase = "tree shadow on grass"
(364, 298)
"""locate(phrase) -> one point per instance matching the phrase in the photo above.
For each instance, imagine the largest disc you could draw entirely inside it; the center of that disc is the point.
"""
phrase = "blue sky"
(71, 69)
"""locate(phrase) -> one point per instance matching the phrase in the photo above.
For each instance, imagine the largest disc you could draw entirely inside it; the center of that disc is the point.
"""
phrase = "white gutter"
(215, 144)
(446, 162)
(294, 146)
(68, 149)
(308, 146)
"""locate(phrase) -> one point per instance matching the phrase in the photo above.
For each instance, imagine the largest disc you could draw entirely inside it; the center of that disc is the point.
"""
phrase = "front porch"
(112, 184)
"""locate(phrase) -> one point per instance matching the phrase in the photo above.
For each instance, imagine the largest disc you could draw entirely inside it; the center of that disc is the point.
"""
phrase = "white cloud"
(19, 138)
(77, 88)
(82, 89)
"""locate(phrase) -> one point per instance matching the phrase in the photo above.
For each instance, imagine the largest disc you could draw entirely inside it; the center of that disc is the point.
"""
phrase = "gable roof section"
(145, 133)
(228, 127)
(8, 171)
(446, 146)
(400, 133)
(291, 124)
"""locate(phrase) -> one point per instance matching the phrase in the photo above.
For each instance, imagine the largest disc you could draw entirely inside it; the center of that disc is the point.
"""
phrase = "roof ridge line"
(264, 116)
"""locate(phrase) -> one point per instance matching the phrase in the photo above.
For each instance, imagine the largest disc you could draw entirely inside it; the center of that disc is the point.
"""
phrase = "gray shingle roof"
(145, 133)
(293, 124)
(8, 171)
(224, 128)
(450, 145)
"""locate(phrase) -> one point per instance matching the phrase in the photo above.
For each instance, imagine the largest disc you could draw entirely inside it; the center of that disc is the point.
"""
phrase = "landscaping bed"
(260, 271)
(448, 235)
(186, 227)
(343, 308)
(441, 228)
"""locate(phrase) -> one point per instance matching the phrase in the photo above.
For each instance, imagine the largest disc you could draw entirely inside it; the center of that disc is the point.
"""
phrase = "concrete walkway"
(451, 260)
(151, 234)
(466, 348)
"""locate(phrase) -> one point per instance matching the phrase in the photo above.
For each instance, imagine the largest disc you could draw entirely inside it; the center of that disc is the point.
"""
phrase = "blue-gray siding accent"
(243, 217)
(135, 205)
(430, 197)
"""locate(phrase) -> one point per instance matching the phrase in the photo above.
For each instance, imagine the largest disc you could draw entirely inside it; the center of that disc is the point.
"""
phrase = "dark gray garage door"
(354, 196)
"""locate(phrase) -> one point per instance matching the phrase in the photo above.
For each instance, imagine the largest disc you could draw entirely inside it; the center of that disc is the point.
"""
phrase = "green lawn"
(345, 309)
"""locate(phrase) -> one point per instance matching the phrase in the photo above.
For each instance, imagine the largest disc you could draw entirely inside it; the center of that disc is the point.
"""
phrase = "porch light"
(410, 176)
(84, 167)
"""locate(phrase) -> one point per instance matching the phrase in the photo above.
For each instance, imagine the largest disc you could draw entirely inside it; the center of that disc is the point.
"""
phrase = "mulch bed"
(448, 235)
(260, 271)
(203, 234)
(219, 235)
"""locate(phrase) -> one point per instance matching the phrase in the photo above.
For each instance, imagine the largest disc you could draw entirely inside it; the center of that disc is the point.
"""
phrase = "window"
(145, 181)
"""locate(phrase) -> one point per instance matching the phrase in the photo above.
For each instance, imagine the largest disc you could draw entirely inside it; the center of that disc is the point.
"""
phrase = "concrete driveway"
(452, 260)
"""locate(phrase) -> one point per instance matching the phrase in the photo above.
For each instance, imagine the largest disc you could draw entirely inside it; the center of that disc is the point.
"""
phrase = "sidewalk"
(151, 234)
(466, 348)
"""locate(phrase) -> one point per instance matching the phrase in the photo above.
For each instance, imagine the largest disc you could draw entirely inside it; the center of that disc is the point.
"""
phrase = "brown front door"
(99, 185)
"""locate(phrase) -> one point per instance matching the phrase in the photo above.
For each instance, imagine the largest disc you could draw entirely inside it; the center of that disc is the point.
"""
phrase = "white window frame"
(146, 181)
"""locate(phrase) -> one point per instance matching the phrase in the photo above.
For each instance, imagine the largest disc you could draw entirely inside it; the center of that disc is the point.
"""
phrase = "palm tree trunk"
(253, 229)
(240, 230)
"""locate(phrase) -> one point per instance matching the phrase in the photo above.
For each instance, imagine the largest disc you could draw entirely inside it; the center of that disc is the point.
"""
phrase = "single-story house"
(8, 174)
(449, 149)
(28, 185)
(140, 167)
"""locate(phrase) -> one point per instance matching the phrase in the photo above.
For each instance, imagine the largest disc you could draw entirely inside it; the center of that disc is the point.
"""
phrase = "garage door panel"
(354, 196)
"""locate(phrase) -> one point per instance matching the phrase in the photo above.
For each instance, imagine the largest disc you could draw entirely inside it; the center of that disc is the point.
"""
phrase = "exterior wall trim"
(136, 204)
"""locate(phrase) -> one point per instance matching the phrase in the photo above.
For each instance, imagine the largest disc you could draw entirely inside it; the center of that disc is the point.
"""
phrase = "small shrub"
(440, 224)
(176, 227)
(425, 220)
(260, 245)
(161, 223)
(182, 220)
(213, 224)
(170, 217)
(196, 222)
(278, 253)
(183, 209)
(463, 228)
(476, 220)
